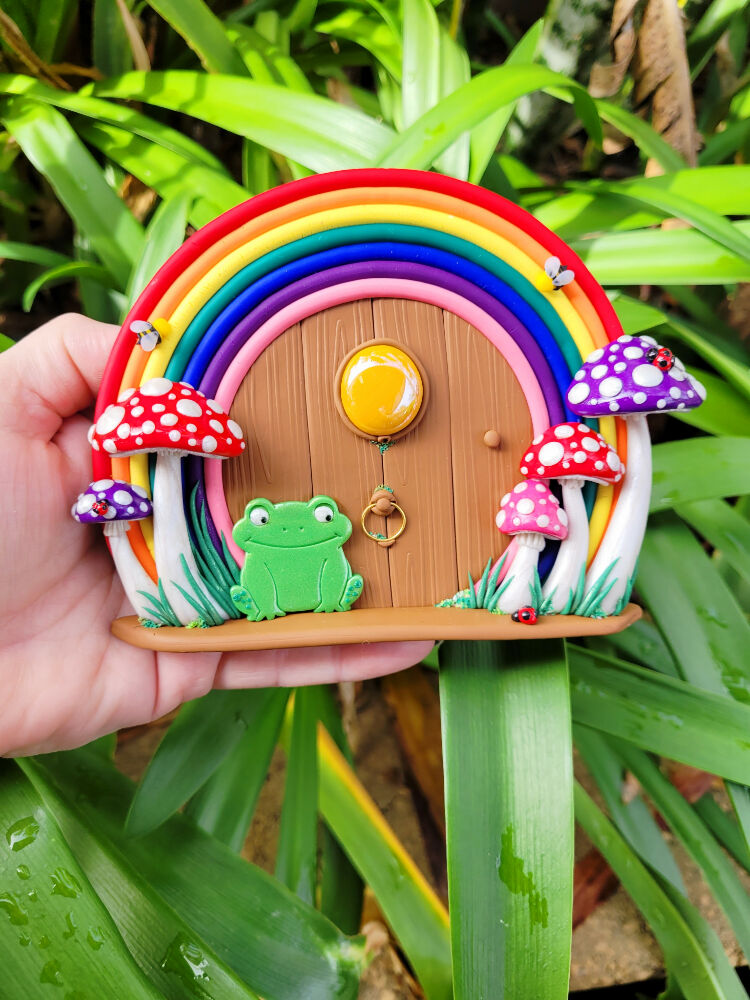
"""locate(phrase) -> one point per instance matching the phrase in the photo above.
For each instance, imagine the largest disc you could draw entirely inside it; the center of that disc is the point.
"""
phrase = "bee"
(147, 334)
(527, 616)
(662, 357)
(559, 274)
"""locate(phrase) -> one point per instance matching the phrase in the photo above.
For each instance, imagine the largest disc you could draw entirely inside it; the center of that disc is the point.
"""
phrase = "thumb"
(53, 373)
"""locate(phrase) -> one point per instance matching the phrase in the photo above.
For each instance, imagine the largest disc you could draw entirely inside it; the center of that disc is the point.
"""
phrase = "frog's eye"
(323, 513)
(259, 515)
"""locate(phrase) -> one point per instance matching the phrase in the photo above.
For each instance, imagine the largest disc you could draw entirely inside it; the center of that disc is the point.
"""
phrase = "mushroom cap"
(161, 414)
(572, 451)
(531, 506)
(125, 502)
(619, 378)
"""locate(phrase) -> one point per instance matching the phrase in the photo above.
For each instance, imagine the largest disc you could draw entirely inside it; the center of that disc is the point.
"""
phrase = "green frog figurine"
(295, 559)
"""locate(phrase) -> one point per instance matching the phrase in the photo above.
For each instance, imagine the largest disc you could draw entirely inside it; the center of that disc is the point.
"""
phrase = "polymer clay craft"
(387, 342)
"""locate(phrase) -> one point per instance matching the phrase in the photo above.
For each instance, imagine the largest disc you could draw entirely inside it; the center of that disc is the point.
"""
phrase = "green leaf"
(703, 972)
(509, 821)
(297, 852)
(411, 908)
(594, 207)
(54, 19)
(724, 411)
(374, 34)
(723, 145)
(167, 172)
(486, 136)
(679, 205)
(113, 114)
(724, 828)
(315, 131)
(711, 25)
(203, 32)
(712, 350)
(341, 888)
(720, 524)
(645, 136)
(420, 74)
(111, 48)
(644, 643)
(31, 254)
(420, 144)
(199, 739)
(697, 840)
(55, 930)
(454, 72)
(662, 714)
(225, 804)
(164, 235)
(56, 152)
(632, 817)
(700, 468)
(163, 945)
(72, 271)
(694, 609)
(276, 944)
(662, 257)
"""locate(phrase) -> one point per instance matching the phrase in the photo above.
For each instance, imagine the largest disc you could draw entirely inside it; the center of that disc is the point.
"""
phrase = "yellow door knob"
(381, 390)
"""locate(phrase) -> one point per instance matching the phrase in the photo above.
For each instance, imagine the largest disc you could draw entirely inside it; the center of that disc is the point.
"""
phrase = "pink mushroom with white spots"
(573, 454)
(174, 420)
(532, 513)
(630, 378)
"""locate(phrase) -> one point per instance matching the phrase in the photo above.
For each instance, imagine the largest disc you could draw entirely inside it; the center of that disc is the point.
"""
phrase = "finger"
(53, 373)
(317, 665)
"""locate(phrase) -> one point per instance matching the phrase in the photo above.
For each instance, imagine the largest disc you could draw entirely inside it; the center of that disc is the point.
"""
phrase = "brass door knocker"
(383, 503)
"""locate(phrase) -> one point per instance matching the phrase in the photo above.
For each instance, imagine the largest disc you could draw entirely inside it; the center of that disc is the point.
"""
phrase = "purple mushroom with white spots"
(115, 504)
(630, 378)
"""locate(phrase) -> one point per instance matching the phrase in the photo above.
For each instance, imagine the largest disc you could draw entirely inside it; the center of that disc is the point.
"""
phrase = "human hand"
(64, 679)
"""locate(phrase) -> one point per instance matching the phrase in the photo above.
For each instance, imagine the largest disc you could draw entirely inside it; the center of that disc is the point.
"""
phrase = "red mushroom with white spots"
(174, 420)
(573, 454)
(631, 377)
(532, 513)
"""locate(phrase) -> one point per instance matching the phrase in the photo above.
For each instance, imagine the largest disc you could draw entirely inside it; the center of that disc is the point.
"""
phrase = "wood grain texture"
(484, 395)
(418, 466)
(271, 408)
(344, 466)
(364, 625)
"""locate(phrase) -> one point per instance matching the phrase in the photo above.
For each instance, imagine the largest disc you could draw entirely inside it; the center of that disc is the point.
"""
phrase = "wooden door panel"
(484, 395)
(270, 406)
(344, 465)
(418, 465)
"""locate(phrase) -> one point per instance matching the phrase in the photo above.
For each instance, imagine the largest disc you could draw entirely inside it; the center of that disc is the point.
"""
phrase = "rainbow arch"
(297, 249)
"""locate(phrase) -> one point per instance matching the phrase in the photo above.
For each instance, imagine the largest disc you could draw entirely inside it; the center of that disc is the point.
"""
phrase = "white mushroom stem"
(171, 539)
(521, 573)
(627, 526)
(132, 575)
(571, 557)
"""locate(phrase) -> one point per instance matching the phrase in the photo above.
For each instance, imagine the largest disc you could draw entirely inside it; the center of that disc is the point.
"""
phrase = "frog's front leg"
(259, 586)
(338, 588)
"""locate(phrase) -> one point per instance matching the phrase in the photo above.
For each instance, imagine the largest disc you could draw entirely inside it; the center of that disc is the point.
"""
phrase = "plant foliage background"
(625, 128)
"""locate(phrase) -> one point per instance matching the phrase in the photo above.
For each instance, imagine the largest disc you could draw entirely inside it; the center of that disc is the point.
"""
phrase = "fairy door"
(448, 481)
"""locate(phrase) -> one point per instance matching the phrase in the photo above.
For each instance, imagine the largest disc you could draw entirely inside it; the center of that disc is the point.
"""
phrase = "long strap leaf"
(509, 820)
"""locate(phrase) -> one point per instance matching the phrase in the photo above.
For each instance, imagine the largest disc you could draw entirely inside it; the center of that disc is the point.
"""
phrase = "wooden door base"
(365, 625)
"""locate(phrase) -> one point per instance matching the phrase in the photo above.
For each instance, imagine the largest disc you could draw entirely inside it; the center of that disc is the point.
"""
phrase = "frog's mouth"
(303, 545)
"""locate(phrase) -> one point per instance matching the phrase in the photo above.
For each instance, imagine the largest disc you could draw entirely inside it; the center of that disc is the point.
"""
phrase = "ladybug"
(662, 357)
(100, 507)
(527, 616)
